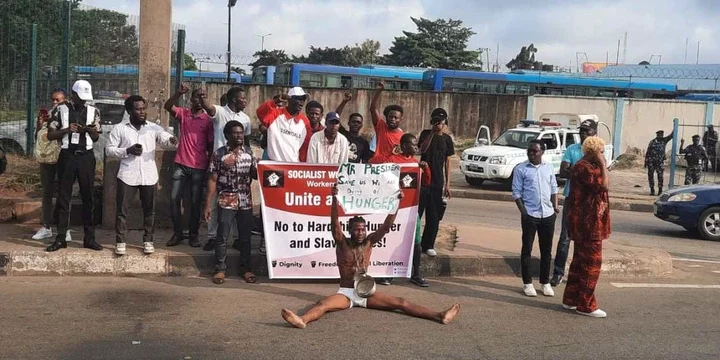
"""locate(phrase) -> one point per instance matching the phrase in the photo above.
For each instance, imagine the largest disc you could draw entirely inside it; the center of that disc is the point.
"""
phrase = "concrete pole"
(155, 54)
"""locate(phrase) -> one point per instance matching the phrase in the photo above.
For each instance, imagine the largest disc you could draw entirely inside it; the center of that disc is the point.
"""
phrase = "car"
(696, 208)
(497, 160)
(112, 112)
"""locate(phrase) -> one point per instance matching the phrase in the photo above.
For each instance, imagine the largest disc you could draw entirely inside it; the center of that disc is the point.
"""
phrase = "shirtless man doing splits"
(353, 257)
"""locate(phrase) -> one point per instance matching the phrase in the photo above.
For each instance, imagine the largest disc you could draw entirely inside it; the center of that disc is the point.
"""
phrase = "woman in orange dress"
(588, 226)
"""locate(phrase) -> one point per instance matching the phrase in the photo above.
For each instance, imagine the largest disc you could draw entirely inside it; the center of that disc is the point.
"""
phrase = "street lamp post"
(262, 40)
(231, 3)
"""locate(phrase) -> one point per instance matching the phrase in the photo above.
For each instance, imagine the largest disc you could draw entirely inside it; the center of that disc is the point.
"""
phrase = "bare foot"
(450, 313)
(295, 320)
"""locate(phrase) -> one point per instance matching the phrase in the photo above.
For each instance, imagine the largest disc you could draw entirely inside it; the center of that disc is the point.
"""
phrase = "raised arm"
(206, 104)
(375, 114)
(346, 99)
(668, 138)
(337, 232)
(169, 105)
(386, 226)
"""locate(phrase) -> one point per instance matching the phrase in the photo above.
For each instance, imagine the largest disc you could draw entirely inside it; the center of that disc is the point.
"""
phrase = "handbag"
(46, 151)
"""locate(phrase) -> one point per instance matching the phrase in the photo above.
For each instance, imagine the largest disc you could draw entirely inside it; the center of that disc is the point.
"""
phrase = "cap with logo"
(332, 118)
(439, 114)
(589, 124)
(297, 91)
(83, 89)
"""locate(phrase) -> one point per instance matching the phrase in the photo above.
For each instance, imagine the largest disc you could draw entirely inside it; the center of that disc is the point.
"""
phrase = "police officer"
(710, 139)
(655, 159)
(695, 155)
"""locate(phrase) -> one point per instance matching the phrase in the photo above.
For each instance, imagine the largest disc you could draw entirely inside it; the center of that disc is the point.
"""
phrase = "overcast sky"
(558, 28)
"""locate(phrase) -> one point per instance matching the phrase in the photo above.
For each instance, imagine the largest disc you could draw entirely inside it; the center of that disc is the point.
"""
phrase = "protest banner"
(368, 189)
(296, 199)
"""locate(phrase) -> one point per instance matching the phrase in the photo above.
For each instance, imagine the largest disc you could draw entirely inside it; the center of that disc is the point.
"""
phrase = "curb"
(29, 263)
(615, 204)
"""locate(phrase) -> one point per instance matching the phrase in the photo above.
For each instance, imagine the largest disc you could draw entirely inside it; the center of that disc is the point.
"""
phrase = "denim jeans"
(183, 177)
(563, 246)
(213, 223)
(244, 220)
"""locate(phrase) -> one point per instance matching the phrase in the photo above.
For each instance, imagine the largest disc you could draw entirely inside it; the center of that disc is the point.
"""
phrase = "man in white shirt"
(234, 110)
(287, 128)
(329, 146)
(134, 143)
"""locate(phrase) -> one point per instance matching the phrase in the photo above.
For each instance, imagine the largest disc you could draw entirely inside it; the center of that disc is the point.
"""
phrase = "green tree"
(190, 63)
(365, 53)
(269, 58)
(440, 44)
(103, 37)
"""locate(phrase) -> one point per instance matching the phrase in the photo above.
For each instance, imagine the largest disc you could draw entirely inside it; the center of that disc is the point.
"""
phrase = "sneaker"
(120, 249)
(419, 281)
(547, 290)
(148, 248)
(596, 314)
(385, 281)
(556, 280)
(431, 252)
(529, 290)
(68, 238)
(569, 307)
(43, 233)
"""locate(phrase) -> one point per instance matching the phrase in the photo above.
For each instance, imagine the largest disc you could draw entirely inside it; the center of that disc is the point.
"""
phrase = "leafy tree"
(440, 43)
(102, 37)
(524, 60)
(190, 63)
(239, 70)
(269, 58)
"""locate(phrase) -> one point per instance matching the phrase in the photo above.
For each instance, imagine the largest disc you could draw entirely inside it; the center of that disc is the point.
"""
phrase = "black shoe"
(660, 190)
(556, 280)
(92, 245)
(236, 245)
(194, 242)
(57, 245)
(175, 240)
(419, 281)
(209, 245)
(256, 231)
(652, 192)
(385, 281)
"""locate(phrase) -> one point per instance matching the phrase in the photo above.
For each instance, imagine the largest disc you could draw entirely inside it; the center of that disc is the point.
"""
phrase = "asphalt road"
(629, 228)
(183, 318)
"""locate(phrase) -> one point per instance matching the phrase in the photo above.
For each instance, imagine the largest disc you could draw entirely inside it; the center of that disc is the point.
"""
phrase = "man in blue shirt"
(534, 189)
(572, 155)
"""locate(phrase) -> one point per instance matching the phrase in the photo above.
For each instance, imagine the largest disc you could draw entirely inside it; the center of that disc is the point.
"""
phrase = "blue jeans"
(563, 246)
(182, 178)
(243, 222)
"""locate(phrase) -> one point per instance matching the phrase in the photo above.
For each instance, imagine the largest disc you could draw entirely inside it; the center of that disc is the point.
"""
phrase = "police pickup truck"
(496, 160)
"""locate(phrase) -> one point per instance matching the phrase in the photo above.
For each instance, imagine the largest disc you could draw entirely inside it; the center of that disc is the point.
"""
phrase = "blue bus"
(105, 71)
(263, 75)
(331, 76)
(531, 83)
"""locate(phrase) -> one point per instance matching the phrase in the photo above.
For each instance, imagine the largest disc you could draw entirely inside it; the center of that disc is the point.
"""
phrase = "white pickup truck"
(496, 160)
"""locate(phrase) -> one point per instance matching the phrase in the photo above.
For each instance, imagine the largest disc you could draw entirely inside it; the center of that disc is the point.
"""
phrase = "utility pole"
(262, 40)
(231, 3)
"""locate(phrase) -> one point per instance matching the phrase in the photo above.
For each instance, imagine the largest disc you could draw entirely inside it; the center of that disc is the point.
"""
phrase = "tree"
(269, 58)
(103, 37)
(189, 63)
(239, 70)
(524, 60)
(440, 44)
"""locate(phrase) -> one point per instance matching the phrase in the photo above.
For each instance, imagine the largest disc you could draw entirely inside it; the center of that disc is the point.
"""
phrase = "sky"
(560, 29)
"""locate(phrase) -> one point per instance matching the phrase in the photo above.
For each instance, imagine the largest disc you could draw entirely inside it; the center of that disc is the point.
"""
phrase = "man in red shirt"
(191, 160)
(286, 128)
(387, 129)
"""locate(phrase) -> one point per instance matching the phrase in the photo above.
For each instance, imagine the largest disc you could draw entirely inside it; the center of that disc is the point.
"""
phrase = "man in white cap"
(287, 129)
(329, 146)
(75, 124)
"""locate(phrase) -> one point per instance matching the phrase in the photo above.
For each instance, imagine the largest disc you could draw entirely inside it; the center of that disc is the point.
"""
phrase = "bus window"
(524, 89)
(510, 88)
(308, 79)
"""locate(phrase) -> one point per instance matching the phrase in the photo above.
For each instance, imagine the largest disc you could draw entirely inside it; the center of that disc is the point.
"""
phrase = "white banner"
(368, 188)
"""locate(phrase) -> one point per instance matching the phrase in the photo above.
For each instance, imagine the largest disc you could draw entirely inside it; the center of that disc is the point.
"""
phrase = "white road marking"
(716, 271)
(697, 260)
(667, 286)
(694, 266)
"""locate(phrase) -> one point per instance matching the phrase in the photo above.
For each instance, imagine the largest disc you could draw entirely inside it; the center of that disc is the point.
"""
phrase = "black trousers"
(245, 222)
(430, 205)
(125, 197)
(545, 229)
(78, 166)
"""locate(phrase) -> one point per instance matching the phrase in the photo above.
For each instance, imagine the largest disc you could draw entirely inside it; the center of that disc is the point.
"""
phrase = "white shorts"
(355, 299)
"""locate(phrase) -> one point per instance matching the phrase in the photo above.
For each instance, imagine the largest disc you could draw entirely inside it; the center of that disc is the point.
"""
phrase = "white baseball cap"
(83, 89)
(297, 91)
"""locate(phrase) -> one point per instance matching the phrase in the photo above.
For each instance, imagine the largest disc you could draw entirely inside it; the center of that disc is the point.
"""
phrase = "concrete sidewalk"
(462, 251)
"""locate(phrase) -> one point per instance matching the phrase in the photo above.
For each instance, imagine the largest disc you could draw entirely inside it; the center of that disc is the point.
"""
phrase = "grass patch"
(463, 144)
(12, 115)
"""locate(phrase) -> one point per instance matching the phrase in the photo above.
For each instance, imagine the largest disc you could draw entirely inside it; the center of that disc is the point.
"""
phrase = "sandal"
(219, 278)
(261, 249)
(249, 277)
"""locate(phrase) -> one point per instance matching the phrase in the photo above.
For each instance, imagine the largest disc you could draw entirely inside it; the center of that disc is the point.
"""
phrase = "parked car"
(696, 208)
(496, 160)
(112, 112)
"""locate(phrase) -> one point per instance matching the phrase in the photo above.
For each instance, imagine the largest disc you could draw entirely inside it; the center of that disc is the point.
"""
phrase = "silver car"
(112, 112)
